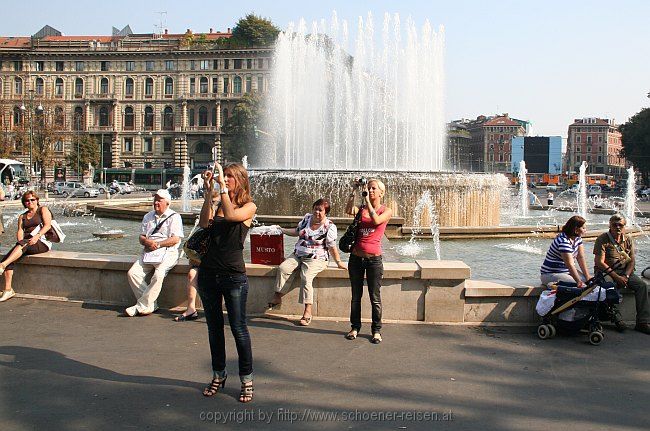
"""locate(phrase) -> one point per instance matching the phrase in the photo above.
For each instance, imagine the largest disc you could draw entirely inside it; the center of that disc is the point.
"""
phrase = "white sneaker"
(131, 311)
(7, 294)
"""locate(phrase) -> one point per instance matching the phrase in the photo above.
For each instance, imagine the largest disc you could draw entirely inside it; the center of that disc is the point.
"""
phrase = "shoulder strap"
(613, 241)
(159, 225)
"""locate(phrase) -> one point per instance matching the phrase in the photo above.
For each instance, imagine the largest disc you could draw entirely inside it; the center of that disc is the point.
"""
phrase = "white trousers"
(147, 295)
(309, 269)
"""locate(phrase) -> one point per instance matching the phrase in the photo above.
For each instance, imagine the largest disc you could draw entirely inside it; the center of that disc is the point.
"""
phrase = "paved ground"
(68, 366)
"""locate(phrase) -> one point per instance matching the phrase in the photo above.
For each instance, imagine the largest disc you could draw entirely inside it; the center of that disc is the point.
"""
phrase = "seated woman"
(32, 226)
(316, 240)
(559, 264)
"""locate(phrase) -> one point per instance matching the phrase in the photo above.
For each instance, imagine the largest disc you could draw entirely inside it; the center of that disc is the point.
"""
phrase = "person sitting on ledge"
(316, 240)
(559, 264)
(32, 226)
(616, 246)
(162, 230)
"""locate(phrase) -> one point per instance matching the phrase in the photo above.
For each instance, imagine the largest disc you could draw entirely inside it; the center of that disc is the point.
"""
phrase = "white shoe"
(131, 311)
(7, 294)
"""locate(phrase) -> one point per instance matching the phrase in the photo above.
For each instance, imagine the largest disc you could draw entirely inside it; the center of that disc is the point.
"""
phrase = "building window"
(204, 65)
(192, 85)
(214, 117)
(169, 86)
(249, 85)
(18, 65)
(215, 85)
(79, 66)
(168, 118)
(130, 66)
(78, 87)
(128, 164)
(215, 64)
(588, 149)
(249, 63)
(204, 85)
(600, 139)
(58, 87)
(260, 63)
(148, 145)
(103, 116)
(59, 66)
(128, 147)
(149, 65)
(128, 91)
(225, 115)
(40, 66)
(59, 118)
(18, 116)
(39, 86)
(237, 63)
(203, 116)
(103, 86)
(226, 85)
(104, 66)
(192, 65)
(167, 145)
(148, 87)
(18, 86)
(78, 118)
(58, 146)
(260, 83)
(237, 85)
(148, 165)
(600, 159)
(148, 118)
(577, 139)
(226, 63)
(191, 117)
(129, 118)
(589, 139)
(169, 64)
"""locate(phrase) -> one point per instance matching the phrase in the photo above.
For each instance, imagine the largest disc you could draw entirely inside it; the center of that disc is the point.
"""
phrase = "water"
(523, 189)
(413, 248)
(337, 103)
(581, 197)
(185, 189)
(630, 197)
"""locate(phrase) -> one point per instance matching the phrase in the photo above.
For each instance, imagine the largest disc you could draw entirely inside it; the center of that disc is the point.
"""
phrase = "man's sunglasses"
(618, 224)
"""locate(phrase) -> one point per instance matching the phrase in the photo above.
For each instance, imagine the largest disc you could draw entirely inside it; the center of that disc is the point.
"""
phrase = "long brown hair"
(572, 224)
(242, 193)
(28, 193)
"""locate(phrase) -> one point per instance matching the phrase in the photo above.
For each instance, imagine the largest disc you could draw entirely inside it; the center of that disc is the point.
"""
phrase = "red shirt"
(369, 235)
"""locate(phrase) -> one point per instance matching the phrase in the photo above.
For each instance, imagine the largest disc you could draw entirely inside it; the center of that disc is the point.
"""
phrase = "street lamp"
(31, 113)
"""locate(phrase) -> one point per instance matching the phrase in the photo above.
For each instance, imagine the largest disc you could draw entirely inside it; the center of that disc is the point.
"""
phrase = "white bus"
(12, 170)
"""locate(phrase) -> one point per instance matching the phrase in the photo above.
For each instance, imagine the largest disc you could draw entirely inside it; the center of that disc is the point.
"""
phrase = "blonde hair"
(242, 194)
(380, 184)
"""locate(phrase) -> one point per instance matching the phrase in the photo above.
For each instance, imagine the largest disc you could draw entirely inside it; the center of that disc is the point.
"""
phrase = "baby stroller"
(571, 309)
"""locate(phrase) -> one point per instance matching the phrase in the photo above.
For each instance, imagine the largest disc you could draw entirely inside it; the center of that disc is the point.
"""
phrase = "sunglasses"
(31, 200)
(618, 224)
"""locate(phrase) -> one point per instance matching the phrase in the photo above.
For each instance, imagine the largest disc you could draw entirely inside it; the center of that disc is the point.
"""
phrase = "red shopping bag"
(267, 249)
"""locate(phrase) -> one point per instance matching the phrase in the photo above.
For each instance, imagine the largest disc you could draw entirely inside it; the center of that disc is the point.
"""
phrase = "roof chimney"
(210, 30)
(228, 30)
(166, 31)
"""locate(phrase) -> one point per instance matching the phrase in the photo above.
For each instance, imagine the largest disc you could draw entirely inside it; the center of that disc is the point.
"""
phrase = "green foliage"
(86, 148)
(636, 142)
(254, 31)
(240, 127)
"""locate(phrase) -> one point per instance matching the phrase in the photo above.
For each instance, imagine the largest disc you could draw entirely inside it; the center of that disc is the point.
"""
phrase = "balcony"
(101, 128)
(212, 129)
(101, 96)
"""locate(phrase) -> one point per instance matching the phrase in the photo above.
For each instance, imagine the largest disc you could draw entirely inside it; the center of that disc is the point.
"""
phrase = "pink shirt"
(369, 235)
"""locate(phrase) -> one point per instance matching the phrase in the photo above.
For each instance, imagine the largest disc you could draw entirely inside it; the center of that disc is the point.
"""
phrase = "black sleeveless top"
(225, 254)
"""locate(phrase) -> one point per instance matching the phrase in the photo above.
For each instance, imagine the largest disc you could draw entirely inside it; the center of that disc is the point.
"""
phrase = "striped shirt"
(553, 263)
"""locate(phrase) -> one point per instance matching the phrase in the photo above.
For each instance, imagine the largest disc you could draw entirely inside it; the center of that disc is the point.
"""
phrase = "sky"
(546, 62)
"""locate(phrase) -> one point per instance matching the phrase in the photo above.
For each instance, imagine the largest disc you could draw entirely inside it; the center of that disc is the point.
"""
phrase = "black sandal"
(246, 393)
(214, 386)
(352, 334)
(189, 317)
(376, 338)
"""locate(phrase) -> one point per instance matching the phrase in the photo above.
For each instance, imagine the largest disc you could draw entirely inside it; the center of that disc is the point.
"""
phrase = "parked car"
(56, 187)
(126, 188)
(77, 190)
(574, 188)
(101, 187)
(551, 187)
(594, 190)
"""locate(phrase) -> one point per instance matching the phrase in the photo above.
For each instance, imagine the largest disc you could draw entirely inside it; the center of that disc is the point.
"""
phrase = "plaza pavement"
(72, 366)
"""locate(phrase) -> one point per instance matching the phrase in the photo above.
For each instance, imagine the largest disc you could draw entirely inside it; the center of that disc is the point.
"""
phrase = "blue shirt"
(553, 263)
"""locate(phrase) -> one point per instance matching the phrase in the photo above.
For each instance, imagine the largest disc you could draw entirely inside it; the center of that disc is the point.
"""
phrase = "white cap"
(164, 193)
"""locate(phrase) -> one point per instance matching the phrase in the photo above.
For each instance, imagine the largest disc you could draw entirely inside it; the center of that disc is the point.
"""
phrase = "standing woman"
(222, 273)
(29, 242)
(365, 259)
(566, 248)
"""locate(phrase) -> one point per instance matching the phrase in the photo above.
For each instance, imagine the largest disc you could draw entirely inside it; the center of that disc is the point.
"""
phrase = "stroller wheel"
(596, 337)
(552, 330)
(543, 332)
(597, 327)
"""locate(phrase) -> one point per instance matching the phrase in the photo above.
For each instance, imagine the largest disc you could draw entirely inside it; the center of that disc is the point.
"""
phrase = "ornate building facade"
(598, 142)
(150, 100)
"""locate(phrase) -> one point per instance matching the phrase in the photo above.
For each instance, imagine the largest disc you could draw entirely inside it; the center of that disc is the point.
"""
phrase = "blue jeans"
(373, 267)
(233, 289)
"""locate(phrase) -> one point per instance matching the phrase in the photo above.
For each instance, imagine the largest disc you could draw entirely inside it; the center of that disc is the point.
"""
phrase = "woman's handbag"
(197, 244)
(349, 238)
(54, 234)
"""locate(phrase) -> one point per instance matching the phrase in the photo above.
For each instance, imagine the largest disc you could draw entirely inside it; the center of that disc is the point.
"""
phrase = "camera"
(362, 181)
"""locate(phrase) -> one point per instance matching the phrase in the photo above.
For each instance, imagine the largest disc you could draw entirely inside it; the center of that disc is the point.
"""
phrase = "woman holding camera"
(222, 273)
(365, 259)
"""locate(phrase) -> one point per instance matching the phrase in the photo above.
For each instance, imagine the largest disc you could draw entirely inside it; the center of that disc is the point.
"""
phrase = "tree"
(636, 142)
(254, 31)
(240, 127)
(88, 153)
(47, 129)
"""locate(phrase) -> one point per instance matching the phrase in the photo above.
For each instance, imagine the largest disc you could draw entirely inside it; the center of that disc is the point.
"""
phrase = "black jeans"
(234, 290)
(373, 267)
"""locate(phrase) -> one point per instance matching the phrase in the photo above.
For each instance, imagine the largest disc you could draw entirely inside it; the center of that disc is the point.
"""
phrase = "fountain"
(333, 116)
(185, 189)
(523, 189)
(581, 195)
(630, 197)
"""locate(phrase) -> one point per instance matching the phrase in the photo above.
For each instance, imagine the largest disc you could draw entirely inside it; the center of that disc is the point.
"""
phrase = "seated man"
(615, 246)
(162, 230)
